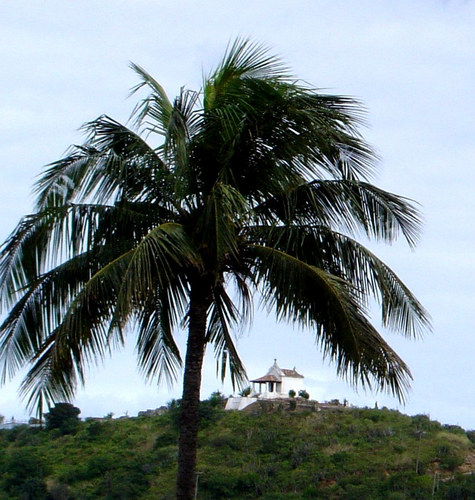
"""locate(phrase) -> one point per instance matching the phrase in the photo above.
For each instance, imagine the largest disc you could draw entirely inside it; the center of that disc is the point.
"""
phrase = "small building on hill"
(275, 384)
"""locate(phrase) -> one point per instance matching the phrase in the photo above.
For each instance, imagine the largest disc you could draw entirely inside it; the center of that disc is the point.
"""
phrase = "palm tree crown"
(256, 183)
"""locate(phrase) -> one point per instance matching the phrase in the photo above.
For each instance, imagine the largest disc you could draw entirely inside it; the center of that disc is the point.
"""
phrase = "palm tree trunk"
(189, 419)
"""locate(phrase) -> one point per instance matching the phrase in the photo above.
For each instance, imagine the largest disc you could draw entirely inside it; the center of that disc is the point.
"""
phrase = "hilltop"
(271, 451)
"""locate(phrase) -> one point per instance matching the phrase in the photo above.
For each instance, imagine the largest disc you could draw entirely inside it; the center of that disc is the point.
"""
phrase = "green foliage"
(217, 400)
(339, 453)
(23, 472)
(304, 394)
(64, 417)
(292, 393)
(461, 488)
(209, 411)
(448, 447)
(245, 392)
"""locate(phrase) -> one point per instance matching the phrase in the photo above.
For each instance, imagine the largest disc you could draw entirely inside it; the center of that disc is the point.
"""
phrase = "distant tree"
(2, 418)
(63, 416)
(292, 393)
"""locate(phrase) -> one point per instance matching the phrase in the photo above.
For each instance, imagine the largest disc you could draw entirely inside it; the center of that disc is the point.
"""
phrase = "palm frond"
(223, 316)
(243, 59)
(42, 387)
(315, 299)
(156, 107)
(81, 337)
(159, 260)
(54, 234)
(349, 205)
(158, 354)
(224, 211)
(114, 163)
(37, 311)
(346, 258)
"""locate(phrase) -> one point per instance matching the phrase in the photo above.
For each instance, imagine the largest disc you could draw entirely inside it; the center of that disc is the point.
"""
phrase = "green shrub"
(33, 488)
(245, 392)
(165, 439)
(304, 394)
(410, 484)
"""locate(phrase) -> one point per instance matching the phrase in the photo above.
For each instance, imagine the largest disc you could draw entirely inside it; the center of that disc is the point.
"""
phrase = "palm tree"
(254, 184)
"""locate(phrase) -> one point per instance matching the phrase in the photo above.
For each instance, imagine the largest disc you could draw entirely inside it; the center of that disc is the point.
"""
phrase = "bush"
(304, 394)
(217, 400)
(33, 488)
(95, 429)
(410, 484)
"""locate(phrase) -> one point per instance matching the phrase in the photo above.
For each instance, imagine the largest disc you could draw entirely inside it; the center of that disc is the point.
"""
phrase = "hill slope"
(270, 452)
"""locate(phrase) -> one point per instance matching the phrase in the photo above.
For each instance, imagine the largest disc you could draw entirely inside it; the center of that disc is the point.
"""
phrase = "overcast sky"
(411, 62)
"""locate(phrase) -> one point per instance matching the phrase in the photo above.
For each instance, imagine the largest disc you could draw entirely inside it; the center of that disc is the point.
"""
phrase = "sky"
(412, 64)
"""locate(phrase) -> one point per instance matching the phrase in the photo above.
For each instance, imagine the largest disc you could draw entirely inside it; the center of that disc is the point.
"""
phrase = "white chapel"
(275, 384)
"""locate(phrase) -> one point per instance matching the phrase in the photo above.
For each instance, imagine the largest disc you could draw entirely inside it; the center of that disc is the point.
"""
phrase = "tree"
(256, 183)
(63, 416)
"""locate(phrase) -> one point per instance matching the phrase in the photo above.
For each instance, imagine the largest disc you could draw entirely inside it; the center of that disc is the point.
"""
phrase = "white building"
(276, 383)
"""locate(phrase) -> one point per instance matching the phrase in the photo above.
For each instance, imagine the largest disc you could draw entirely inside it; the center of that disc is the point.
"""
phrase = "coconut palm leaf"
(315, 299)
(158, 354)
(346, 258)
(224, 316)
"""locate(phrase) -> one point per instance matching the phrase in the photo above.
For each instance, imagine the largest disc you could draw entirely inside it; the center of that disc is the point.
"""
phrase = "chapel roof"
(276, 373)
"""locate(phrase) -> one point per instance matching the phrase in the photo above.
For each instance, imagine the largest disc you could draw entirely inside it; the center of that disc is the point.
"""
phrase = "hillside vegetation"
(272, 452)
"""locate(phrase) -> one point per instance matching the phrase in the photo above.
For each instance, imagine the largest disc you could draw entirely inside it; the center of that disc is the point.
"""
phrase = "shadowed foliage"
(256, 183)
